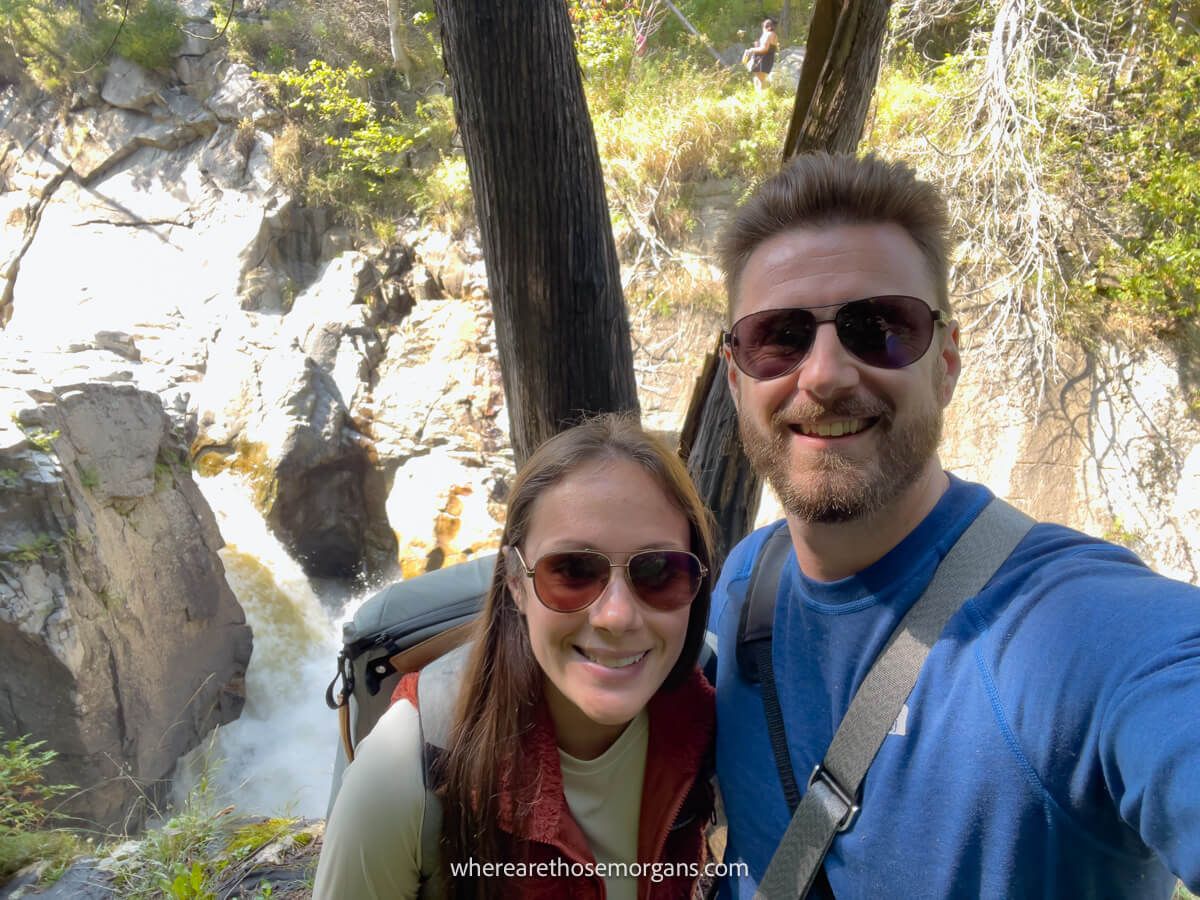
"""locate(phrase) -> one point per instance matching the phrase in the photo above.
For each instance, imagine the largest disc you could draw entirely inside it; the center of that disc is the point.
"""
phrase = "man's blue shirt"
(1050, 748)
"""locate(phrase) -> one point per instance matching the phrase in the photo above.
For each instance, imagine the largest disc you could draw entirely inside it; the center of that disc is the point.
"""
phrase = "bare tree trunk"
(397, 26)
(785, 21)
(552, 265)
(841, 65)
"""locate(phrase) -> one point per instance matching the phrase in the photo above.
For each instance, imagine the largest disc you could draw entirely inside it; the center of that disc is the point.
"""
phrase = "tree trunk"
(552, 266)
(841, 65)
(710, 443)
(397, 19)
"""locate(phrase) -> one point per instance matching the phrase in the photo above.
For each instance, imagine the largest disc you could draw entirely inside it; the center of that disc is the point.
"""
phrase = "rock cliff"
(121, 640)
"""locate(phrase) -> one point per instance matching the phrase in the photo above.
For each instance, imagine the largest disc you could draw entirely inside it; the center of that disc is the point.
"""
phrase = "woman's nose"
(617, 607)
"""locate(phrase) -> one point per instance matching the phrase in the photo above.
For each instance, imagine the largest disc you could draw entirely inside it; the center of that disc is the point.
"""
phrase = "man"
(1051, 745)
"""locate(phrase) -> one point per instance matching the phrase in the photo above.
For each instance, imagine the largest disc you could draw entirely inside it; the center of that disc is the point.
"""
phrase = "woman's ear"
(513, 578)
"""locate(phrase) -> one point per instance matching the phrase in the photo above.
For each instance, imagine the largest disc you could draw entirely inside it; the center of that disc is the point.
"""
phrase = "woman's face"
(604, 663)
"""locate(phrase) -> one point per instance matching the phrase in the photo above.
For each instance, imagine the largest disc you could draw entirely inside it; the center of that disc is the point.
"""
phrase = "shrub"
(361, 157)
(57, 48)
(24, 809)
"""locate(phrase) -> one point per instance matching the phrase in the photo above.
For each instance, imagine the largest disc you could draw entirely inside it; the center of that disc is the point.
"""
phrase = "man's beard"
(833, 487)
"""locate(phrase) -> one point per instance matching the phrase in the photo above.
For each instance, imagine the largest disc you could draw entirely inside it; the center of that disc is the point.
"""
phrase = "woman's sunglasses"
(886, 332)
(574, 579)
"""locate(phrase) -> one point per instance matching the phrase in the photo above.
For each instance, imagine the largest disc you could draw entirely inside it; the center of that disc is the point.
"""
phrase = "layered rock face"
(1111, 447)
(120, 638)
(182, 245)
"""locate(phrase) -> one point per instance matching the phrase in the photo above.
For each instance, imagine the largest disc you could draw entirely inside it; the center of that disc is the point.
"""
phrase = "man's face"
(891, 417)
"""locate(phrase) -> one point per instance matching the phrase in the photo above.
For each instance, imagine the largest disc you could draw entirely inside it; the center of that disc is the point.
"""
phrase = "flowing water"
(277, 757)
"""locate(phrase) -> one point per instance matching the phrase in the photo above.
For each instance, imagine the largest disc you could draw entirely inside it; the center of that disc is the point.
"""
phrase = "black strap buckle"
(346, 673)
(821, 774)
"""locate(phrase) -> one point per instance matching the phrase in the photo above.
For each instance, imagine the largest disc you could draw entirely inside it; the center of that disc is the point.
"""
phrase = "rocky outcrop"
(122, 644)
(1112, 447)
(440, 424)
(287, 401)
(181, 245)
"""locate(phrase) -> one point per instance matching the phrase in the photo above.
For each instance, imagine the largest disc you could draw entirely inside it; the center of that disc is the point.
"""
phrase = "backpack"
(401, 629)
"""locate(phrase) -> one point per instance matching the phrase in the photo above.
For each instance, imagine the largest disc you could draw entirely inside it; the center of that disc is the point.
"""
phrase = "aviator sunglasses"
(885, 332)
(573, 580)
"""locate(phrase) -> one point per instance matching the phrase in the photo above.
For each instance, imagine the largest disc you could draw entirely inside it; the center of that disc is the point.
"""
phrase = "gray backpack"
(403, 628)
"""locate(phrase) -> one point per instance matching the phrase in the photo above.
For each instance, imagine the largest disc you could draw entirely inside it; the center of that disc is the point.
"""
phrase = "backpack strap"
(755, 628)
(437, 694)
(831, 802)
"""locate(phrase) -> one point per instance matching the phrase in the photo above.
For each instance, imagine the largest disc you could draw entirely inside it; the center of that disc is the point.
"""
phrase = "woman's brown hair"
(502, 682)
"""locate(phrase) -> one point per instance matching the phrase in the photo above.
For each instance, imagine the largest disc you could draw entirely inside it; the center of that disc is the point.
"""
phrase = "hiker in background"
(1051, 744)
(760, 58)
(578, 724)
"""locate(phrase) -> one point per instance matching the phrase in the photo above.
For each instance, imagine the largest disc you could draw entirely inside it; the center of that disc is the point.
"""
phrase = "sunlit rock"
(122, 644)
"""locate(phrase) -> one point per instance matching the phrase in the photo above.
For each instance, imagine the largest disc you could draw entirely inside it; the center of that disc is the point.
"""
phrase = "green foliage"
(340, 32)
(42, 439)
(1074, 155)
(151, 33)
(249, 839)
(24, 812)
(349, 151)
(56, 47)
(88, 478)
(32, 550)
(677, 124)
(9, 478)
(175, 860)
(1157, 263)
(603, 35)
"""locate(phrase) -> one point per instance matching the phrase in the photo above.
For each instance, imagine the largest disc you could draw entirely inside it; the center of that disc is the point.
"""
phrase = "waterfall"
(277, 757)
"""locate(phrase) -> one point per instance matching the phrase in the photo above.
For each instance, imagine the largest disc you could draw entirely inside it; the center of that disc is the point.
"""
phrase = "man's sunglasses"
(574, 579)
(886, 332)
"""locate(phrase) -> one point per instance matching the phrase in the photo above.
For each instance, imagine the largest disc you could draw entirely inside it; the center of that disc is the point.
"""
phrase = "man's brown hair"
(823, 189)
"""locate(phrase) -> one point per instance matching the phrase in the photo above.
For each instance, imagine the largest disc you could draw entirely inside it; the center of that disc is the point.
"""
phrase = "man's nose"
(828, 370)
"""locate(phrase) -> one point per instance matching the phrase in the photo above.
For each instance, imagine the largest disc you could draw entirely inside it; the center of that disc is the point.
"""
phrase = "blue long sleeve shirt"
(1050, 747)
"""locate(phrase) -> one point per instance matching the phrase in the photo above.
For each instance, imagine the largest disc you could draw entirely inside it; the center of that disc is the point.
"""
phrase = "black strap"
(754, 649)
(775, 728)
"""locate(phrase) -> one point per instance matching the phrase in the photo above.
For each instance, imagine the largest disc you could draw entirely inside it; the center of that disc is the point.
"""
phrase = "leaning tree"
(841, 66)
(552, 266)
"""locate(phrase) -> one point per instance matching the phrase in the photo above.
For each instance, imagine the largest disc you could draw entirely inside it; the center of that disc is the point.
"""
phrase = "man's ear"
(950, 362)
(732, 375)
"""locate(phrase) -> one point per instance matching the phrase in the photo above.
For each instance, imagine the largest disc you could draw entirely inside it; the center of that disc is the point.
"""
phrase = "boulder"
(285, 402)
(122, 644)
(785, 75)
(129, 86)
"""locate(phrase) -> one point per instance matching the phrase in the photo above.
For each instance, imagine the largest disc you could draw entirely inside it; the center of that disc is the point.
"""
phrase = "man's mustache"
(844, 408)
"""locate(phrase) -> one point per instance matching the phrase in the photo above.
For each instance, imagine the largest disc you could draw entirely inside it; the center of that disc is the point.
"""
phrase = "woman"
(582, 726)
(761, 57)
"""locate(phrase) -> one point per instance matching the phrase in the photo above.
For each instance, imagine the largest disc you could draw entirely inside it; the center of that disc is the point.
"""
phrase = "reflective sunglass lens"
(665, 579)
(886, 332)
(570, 581)
(770, 343)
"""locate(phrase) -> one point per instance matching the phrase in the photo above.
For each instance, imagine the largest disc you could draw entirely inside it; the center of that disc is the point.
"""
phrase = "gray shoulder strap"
(437, 694)
(831, 801)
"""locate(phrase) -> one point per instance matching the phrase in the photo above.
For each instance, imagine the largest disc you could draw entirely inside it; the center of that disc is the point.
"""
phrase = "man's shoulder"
(1075, 583)
(739, 564)
(737, 569)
